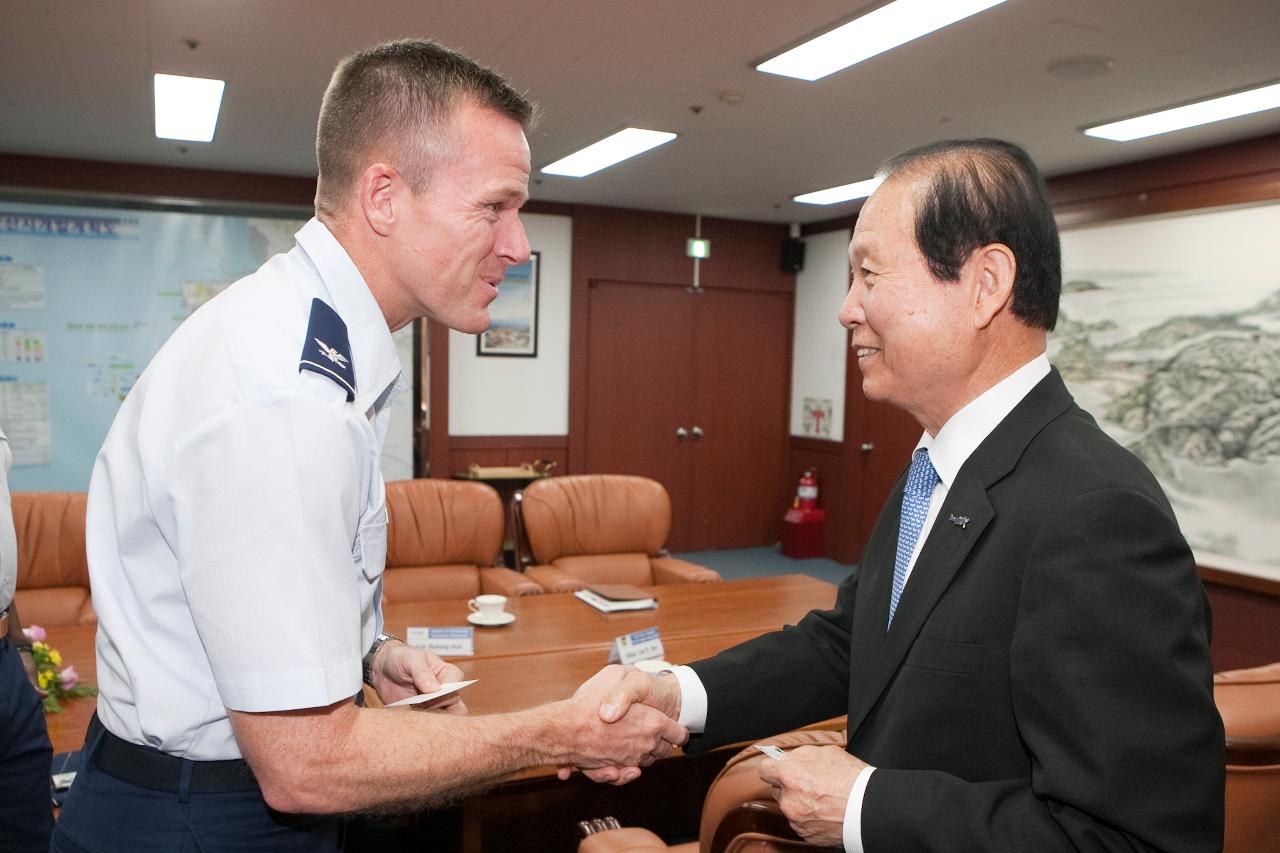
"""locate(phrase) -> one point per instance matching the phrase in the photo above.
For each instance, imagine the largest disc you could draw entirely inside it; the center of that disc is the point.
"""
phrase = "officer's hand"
(623, 687)
(401, 671)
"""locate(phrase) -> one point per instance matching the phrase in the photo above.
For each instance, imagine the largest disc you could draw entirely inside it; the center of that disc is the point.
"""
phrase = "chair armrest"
(87, 614)
(738, 791)
(759, 825)
(554, 580)
(629, 839)
(670, 570)
(504, 581)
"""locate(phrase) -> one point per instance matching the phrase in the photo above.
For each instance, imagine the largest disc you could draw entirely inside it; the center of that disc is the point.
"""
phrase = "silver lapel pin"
(961, 521)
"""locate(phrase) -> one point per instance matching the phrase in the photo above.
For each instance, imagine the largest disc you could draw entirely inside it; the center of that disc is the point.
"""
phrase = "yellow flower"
(39, 647)
(46, 678)
(56, 657)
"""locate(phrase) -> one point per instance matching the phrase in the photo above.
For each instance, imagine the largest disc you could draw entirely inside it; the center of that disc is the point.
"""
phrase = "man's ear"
(379, 190)
(994, 268)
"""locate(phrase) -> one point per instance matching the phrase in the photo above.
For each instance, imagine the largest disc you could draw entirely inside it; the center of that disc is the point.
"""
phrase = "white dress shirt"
(236, 526)
(948, 451)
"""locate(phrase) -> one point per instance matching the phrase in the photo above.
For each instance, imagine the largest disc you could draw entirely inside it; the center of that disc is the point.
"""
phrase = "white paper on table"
(445, 689)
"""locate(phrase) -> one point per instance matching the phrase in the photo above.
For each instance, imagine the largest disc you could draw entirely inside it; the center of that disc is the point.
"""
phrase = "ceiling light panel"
(835, 195)
(187, 107)
(623, 145)
(1191, 115)
(873, 33)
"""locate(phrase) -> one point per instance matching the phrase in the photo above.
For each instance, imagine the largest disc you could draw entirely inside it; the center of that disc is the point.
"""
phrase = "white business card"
(445, 690)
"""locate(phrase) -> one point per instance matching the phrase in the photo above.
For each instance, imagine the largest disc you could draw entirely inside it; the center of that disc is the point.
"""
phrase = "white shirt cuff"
(853, 812)
(693, 699)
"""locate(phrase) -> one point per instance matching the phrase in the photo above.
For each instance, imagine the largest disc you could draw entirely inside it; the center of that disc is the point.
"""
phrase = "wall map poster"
(1169, 335)
(87, 296)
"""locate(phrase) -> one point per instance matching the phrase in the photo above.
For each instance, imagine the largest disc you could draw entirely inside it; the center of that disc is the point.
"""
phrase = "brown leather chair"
(739, 813)
(601, 528)
(443, 538)
(1249, 702)
(53, 571)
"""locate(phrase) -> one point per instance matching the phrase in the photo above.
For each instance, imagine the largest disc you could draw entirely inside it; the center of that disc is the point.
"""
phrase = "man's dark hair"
(397, 100)
(982, 191)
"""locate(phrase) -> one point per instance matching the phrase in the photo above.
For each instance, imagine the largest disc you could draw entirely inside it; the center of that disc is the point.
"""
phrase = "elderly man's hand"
(623, 698)
(401, 671)
(812, 786)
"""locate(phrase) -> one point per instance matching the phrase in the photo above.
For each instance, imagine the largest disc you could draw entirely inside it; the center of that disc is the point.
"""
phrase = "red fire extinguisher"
(807, 492)
(804, 525)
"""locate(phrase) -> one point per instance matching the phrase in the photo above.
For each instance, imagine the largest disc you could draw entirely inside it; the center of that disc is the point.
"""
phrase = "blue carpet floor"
(737, 563)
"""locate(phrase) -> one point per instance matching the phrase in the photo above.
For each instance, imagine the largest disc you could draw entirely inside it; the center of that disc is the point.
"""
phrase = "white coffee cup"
(488, 606)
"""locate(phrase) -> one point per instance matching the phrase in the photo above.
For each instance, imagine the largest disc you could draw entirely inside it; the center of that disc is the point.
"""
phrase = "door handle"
(866, 447)
(697, 432)
(681, 432)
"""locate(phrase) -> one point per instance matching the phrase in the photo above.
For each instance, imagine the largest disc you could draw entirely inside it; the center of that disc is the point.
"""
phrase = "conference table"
(555, 643)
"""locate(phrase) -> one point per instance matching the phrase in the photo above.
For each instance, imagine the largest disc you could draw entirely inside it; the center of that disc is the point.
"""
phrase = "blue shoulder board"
(326, 350)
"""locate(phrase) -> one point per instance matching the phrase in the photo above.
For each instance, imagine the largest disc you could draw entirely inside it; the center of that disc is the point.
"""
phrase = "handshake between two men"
(615, 724)
(621, 721)
(343, 758)
(812, 785)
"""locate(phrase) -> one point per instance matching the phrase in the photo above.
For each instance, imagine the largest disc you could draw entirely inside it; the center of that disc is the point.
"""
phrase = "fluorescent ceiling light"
(622, 145)
(187, 107)
(835, 195)
(1191, 115)
(873, 33)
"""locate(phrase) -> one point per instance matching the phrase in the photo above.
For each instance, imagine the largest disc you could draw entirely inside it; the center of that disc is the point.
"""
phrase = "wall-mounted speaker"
(792, 255)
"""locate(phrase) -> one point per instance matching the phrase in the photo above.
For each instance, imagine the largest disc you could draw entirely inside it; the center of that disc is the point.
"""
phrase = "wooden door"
(883, 437)
(742, 376)
(640, 388)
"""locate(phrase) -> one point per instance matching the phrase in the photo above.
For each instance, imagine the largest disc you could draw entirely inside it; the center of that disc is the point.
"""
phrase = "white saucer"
(504, 619)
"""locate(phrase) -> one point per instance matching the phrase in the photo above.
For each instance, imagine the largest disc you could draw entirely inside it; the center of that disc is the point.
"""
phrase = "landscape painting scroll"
(1169, 334)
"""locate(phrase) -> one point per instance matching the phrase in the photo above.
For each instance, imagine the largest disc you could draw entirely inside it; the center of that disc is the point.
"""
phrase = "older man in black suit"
(1023, 653)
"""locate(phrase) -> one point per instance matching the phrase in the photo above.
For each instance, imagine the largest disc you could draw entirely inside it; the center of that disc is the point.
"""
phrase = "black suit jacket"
(1046, 682)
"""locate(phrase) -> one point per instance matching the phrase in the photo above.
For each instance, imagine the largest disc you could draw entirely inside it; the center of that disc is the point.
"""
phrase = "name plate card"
(636, 646)
(445, 642)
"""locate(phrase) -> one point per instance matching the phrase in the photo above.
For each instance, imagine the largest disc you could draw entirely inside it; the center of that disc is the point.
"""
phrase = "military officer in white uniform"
(236, 523)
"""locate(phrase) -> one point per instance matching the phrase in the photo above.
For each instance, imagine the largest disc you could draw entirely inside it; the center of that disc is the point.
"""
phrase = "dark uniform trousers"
(26, 758)
(173, 804)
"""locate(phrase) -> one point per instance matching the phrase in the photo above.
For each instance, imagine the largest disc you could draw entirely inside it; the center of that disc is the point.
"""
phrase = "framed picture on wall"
(514, 314)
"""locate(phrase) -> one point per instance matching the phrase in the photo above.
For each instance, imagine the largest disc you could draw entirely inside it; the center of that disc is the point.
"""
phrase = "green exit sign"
(697, 247)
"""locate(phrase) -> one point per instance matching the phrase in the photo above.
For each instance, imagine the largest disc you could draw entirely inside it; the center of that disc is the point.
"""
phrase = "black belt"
(157, 771)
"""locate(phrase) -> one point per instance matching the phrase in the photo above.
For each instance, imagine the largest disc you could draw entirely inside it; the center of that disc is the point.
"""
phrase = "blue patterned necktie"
(921, 479)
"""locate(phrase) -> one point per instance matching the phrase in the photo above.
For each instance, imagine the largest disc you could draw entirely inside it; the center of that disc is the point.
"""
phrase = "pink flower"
(36, 634)
(69, 678)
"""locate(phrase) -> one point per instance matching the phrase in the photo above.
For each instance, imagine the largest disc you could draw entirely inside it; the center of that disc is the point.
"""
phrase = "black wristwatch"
(378, 642)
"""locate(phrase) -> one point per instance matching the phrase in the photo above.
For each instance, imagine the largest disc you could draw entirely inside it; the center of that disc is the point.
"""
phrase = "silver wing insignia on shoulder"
(332, 354)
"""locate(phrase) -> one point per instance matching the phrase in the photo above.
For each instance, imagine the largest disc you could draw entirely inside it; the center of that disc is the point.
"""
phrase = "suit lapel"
(876, 655)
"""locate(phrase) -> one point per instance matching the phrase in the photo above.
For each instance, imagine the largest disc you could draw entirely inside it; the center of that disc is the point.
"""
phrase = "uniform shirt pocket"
(370, 552)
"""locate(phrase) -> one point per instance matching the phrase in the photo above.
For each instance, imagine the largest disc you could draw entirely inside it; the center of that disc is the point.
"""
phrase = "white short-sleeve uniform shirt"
(236, 523)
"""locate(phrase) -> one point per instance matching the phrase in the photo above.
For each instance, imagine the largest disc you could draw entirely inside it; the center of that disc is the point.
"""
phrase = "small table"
(507, 481)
